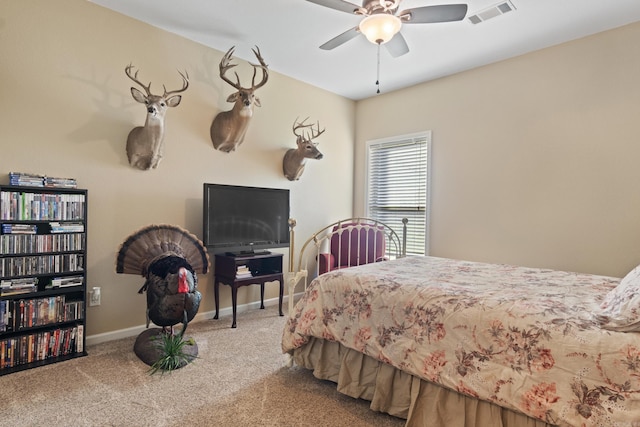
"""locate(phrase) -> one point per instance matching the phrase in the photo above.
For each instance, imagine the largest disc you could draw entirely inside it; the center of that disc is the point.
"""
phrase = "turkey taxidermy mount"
(168, 257)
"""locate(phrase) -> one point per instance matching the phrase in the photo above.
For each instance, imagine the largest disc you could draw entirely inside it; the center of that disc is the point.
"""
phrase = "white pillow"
(621, 306)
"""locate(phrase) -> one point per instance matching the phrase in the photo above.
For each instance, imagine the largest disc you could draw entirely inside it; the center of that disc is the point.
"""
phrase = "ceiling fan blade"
(431, 14)
(341, 39)
(340, 5)
(397, 46)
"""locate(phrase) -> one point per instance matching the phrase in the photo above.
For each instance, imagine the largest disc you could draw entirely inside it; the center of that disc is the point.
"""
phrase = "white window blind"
(398, 186)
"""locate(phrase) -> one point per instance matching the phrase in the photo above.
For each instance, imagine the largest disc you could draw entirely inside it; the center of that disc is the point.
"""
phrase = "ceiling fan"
(382, 22)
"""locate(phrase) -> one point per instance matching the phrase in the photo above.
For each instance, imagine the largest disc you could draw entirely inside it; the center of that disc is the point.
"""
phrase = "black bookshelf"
(43, 249)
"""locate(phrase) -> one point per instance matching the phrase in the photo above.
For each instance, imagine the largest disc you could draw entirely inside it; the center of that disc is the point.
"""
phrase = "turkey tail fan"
(144, 246)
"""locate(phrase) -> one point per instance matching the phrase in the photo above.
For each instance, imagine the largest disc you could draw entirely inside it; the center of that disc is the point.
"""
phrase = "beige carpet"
(239, 379)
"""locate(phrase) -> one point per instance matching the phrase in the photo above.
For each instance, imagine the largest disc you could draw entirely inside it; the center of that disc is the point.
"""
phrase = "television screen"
(240, 219)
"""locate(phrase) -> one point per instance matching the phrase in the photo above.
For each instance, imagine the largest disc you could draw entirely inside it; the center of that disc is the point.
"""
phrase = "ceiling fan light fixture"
(380, 28)
(389, 4)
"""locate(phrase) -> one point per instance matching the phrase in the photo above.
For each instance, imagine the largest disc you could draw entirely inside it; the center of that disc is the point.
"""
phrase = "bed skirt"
(397, 393)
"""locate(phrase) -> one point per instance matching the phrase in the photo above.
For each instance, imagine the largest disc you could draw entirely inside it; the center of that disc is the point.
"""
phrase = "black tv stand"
(262, 268)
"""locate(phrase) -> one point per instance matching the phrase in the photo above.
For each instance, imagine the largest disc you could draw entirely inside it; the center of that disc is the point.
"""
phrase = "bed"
(447, 343)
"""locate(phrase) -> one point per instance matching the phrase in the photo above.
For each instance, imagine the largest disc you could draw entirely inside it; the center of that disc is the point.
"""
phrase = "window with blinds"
(398, 186)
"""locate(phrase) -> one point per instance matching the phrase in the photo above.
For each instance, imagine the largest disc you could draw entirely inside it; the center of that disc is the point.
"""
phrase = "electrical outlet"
(94, 296)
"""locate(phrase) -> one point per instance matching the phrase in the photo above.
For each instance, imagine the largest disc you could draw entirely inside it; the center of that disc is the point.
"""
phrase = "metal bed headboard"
(365, 229)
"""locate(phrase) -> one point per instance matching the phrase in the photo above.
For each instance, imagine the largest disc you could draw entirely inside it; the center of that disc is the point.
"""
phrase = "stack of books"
(243, 272)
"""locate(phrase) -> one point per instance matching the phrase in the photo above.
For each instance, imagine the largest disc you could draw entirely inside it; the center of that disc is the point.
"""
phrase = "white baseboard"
(201, 316)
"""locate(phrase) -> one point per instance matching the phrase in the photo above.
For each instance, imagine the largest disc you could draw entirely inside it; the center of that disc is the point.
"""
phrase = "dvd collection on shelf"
(23, 285)
(39, 346)
(42, 271)
(65, 282)
(34, 180)
(67, 227)
(27, 313)
(19, 229)
(41, 264)
(37, 243)
(27, 285)
(25, 206)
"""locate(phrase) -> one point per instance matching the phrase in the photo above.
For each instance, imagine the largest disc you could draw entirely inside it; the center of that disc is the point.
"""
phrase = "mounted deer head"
(145, 144)
(229, 127)
(295, 158)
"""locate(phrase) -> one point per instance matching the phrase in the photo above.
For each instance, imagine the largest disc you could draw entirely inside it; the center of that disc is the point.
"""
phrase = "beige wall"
(66, 110)
(534, 159)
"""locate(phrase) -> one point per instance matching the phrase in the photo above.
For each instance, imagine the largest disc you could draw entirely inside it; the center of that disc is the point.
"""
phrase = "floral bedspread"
(520, 337)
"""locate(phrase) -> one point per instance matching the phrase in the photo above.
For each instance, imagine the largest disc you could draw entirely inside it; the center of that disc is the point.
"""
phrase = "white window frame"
(426, 135)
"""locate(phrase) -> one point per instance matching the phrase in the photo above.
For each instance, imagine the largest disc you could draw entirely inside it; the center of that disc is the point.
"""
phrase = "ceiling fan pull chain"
(378, 71)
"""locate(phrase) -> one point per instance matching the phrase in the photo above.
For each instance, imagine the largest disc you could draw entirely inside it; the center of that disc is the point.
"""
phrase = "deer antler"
(317, 132)
(305, 135)
(225, 65)
(147, 88)
(300, 125)
(263, 66)
(185, 84)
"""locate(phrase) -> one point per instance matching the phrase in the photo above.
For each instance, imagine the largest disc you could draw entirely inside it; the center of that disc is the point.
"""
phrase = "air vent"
(492, 12)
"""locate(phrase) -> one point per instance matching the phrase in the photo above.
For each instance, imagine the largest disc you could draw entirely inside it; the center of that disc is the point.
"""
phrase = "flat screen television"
(244, 220)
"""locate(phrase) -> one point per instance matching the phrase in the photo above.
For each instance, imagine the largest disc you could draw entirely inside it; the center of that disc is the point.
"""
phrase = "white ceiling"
(289, 33)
